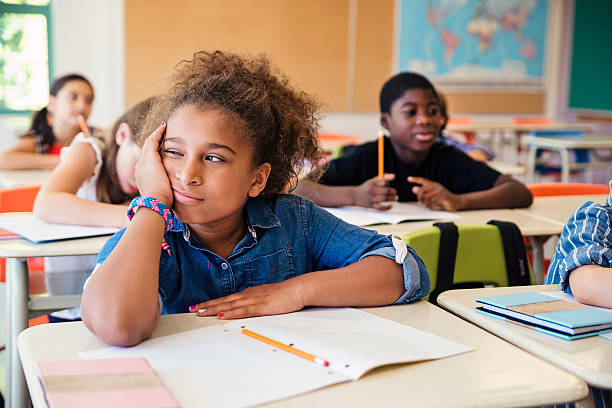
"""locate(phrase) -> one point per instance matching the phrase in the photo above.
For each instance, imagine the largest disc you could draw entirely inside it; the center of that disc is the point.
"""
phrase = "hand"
(478, 155)
(261, 300)
(373, 192)
(151, 177)
(434, 195)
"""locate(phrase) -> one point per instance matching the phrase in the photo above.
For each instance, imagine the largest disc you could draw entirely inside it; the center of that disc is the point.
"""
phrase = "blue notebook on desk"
(38, 231)
(547, 314)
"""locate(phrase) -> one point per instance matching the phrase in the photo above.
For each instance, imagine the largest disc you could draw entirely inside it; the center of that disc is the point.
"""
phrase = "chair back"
(459, 120)
(18, 199)
(531, 120)
(558, 189)
(480, 254)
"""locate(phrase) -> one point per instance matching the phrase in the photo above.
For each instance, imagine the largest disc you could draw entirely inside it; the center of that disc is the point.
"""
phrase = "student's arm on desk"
(120, 300)
(592, 285)
(371, 193)
(23, 156)
(57, 201)
(505, 193)
(353, 285)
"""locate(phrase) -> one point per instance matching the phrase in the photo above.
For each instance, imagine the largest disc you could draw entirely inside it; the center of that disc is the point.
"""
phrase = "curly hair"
(280, 122)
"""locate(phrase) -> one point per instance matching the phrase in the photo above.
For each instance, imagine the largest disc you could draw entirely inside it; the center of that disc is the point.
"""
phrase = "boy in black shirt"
(417, 166)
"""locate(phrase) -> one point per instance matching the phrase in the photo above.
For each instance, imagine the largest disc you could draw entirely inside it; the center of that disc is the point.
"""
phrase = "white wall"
(87, 37)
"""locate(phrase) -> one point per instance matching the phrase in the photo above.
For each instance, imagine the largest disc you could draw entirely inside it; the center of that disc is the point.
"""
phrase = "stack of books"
(561, 318)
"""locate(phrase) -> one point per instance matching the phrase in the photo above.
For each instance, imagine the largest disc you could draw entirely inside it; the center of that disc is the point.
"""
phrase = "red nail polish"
(193, 308)
(163, 123)
(221, 314)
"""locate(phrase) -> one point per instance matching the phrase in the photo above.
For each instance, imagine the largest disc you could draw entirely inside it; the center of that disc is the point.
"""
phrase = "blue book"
(548, 313)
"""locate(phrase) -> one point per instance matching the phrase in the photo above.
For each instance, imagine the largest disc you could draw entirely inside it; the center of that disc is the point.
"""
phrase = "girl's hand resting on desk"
(151, 177)
(375, 191)
(261, 300)
(434, 195)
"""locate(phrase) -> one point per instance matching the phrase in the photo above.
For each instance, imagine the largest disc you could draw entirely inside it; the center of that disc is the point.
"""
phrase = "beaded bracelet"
(172, 223)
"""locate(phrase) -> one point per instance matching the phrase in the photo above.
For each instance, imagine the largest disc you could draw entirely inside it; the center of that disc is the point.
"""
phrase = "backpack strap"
(517, 266)
(447, 254)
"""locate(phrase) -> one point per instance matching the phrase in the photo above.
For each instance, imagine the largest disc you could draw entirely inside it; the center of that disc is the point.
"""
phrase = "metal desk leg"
(537, 244)
(18, 293)
(531, 159)
(565, 165)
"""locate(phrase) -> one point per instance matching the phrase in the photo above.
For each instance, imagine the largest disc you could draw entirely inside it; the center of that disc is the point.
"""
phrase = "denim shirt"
(585, 240)
(287, 236)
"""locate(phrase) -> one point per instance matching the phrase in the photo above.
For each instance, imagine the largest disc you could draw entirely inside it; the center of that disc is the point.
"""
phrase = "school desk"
(589, 358)
(560, 208)
(494, 374)
(14, 178)
(20, 306)
(498, 130)
(506, 168)
(537, 228)
(564, 145)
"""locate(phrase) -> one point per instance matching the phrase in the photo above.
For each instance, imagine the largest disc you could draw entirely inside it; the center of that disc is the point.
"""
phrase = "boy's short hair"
(395, 87)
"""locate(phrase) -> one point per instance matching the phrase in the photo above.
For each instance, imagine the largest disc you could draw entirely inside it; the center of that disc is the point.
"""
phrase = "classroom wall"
(89, 36)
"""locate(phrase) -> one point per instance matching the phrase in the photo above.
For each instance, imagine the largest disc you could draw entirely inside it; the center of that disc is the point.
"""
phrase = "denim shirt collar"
(259, 214)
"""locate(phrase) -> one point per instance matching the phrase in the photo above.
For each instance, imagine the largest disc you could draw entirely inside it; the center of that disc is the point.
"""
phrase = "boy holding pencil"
(416, 167)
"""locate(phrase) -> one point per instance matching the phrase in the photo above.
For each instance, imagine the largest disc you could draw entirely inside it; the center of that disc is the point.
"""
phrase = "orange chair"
(557, 189)
(561, 189)
(470, 137)
(531, 120)
(21, 199)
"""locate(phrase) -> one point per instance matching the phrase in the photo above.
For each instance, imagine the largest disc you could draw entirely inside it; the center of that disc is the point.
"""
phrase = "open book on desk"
(566, 319)
(38, 231)
(221, 367)
(400, 212)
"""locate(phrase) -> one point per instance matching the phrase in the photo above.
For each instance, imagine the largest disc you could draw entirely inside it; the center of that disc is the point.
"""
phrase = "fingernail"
(221, 314)
(201, 310)
(163, 123)
(193, 308)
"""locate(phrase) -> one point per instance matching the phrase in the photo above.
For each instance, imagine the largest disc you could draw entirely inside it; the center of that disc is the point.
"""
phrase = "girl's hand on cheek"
(151, 177)
(261, 300)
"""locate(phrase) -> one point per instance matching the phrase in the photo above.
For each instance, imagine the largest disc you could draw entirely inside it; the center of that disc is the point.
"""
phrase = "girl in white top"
(92, 185)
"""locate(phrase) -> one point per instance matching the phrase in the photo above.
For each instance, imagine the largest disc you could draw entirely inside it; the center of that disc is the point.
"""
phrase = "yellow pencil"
(83, 126)
(285, 347)
(381, 154)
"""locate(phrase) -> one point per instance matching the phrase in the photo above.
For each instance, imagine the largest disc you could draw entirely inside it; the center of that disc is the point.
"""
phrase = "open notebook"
(205, 367)
(38, 231)
(400, 212)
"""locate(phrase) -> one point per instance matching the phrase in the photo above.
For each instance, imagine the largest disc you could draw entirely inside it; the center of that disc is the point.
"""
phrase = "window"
(25, 65)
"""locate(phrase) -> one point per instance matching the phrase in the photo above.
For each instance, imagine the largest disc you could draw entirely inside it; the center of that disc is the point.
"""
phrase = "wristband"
(172, 223)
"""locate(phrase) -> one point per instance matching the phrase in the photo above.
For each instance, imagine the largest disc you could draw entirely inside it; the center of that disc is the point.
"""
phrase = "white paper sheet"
(37, 231)
(218, 366)
(398, 213)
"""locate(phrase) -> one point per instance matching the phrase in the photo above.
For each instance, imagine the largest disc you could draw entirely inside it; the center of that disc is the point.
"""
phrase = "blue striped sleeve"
(585, 240)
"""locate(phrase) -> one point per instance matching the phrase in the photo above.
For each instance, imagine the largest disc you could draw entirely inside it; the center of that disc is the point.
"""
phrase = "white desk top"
(485, 126)
(14, 178)
(507, 168)
(560, 208)
(589, 358)
(22, 248)
(529, 224)
(495, 374)
(586, 142)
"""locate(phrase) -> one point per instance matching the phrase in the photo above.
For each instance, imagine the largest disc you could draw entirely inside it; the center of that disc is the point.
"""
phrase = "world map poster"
(483, 43)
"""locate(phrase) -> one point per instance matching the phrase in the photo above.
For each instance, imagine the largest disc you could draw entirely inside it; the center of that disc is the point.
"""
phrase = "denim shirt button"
(224, 266)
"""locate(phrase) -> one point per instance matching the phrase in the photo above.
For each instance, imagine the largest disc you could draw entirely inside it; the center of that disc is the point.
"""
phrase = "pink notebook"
(121, 382)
